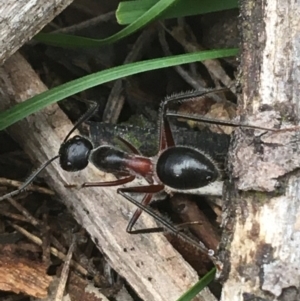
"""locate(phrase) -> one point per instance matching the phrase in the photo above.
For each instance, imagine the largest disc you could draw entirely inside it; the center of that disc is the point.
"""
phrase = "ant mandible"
(173, 169)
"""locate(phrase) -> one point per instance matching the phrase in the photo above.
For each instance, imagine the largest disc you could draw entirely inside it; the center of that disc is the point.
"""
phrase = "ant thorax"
(113, 160)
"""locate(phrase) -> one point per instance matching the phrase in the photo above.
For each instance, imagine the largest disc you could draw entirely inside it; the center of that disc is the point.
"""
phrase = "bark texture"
(20, 20)
(261, 248)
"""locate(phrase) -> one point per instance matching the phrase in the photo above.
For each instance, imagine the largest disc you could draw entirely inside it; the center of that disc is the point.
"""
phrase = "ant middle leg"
(149, 190)
(146, 202)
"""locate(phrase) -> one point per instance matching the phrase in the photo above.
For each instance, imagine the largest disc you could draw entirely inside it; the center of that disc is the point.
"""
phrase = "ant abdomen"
(185, 168)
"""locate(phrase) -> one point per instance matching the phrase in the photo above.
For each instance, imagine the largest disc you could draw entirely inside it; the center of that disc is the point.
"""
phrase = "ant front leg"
(109, 183)
(143, 206)
(104, 184)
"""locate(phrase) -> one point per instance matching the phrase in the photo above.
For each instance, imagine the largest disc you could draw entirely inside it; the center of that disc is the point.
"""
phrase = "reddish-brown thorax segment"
(140, 166)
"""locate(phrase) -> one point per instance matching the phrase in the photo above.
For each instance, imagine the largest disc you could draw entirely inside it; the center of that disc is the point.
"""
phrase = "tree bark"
(261, 247)
(20, 20)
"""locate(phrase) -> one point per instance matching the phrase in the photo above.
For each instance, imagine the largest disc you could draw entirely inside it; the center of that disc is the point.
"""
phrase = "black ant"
(173, 169)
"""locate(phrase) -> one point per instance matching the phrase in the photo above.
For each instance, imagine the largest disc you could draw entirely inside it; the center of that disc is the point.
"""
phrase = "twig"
(214, 67)
(54, 251)
(116, 100)
(197, 83)
(64, 273)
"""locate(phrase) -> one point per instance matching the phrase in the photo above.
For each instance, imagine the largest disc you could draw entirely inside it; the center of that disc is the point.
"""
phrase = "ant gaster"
(174, 168)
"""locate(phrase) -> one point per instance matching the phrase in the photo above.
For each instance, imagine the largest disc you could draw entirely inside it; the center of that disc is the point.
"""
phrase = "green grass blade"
(64, 40)
(199, 286)
(128, 11)
(40, 101)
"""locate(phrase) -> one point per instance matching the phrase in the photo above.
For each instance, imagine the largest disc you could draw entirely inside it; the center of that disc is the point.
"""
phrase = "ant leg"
(216, 121)
(146, 200)
(194, 94)
(149, 190)
(104, 184)
(166, 139)
(86, 116)
(199, 245)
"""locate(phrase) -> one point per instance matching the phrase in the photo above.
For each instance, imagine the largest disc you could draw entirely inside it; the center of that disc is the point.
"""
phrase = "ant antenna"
(29, 180)
(83, 118)
(87, 115)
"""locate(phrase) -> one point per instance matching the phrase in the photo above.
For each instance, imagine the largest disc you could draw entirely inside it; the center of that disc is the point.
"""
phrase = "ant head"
(74, 153)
